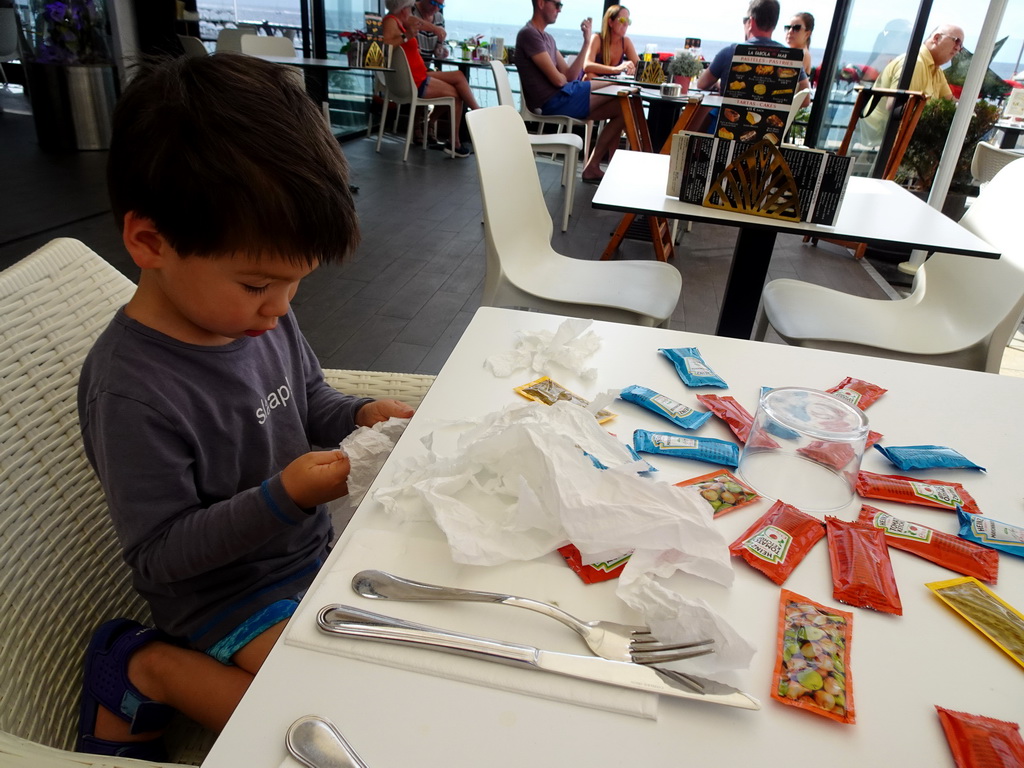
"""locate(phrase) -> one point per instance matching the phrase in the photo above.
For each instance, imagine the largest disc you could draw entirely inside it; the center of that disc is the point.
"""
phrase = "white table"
(873, 211)
(901, 666)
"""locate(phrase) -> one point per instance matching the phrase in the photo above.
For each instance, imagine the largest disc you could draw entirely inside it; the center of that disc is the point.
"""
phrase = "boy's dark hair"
(765, 13)
(226, 154)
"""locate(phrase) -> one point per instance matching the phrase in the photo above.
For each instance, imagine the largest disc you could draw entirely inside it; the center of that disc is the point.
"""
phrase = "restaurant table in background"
(662, 111)
(901, 667)
(1010, 131)
(317, 70)
(873, 211)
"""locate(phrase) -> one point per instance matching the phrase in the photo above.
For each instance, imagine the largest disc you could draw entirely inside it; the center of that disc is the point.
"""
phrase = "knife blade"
(358, 623)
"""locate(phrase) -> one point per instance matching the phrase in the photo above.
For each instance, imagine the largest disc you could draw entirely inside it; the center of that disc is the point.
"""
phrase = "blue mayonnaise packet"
(708, 449)
(926, 457)
(679, 414)
(991, 533)
(692, 369)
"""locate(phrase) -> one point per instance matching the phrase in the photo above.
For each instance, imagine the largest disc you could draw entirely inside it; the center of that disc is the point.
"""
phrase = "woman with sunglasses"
(798, 35)
(611, 52)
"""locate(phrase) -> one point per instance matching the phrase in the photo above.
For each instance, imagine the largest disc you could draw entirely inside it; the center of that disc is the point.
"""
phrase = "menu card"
(757, 92)
(808, 185)
(1015, 104)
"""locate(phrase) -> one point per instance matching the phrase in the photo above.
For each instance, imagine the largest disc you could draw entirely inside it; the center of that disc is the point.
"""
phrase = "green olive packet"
(722, 490)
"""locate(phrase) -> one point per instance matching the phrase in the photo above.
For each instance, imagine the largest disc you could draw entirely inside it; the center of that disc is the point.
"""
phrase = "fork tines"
(647, 649)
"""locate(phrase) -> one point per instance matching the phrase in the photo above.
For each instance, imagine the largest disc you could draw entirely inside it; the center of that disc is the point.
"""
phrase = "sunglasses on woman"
(624, 20)
(794, 27)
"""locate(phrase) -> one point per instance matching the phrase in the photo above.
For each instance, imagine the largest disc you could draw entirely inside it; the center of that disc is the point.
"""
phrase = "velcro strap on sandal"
(145, 714)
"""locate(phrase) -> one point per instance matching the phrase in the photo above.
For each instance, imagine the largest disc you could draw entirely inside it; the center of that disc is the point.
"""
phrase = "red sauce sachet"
(908, 490)
(977, 741)
(729, 410)
(857, 392)
(592, 574)
(812, 666)
(861, 569)
(943, 549)
(778, 541)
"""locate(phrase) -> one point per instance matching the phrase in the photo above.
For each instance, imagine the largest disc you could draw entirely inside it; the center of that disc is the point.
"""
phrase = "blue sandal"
(106, 684)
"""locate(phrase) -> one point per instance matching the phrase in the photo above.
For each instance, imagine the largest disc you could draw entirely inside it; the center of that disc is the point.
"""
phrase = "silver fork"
(607, 639)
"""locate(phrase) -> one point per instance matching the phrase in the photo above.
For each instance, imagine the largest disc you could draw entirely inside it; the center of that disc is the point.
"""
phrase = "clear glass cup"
(805, 449)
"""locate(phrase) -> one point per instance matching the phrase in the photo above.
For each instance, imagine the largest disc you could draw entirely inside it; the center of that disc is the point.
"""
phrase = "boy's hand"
(316, 478)
(382, 410)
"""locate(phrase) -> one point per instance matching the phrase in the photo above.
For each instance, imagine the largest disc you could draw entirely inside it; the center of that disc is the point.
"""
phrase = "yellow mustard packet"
(546, 390)
(986, 611)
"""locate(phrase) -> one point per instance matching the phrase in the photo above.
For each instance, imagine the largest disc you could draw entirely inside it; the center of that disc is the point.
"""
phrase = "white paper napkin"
(425, 557)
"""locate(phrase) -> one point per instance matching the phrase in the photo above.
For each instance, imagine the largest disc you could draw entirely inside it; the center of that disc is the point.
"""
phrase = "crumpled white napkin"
(517, 485)
(367, 449)
(569, 346)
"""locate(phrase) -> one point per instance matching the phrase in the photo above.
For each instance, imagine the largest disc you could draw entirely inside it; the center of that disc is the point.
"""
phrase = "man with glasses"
(758, 25)
(551, 86)
(937, 50)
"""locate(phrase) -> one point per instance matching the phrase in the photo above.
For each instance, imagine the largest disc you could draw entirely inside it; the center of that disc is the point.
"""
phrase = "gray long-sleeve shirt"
(189, 442)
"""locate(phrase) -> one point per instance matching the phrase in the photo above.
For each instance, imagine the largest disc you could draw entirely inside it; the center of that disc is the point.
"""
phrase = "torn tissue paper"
(523, 481)
(568, 347)
(367, 449)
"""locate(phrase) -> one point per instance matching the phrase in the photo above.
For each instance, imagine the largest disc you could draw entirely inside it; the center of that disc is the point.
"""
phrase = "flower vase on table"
(684, 83)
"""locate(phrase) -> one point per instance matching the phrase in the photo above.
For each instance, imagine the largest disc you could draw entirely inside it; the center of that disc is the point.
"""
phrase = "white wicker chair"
(61, 572)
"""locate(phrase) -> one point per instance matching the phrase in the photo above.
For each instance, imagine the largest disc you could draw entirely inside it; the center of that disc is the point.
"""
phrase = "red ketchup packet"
(835, 455)
(595, 572)
(873, 437)
(778, 541)
(908, 490)
(722, 490)
(729, 410)
(943, 549)
(812, 658)
(977, 741)
(861, 569)
(857, 392)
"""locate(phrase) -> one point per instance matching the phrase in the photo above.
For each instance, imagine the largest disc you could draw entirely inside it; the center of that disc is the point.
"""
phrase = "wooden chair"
(639, 139)
(61, 571)
(868, 99)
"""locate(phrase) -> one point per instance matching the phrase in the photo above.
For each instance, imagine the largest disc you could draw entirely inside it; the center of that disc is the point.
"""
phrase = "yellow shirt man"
(928, 77)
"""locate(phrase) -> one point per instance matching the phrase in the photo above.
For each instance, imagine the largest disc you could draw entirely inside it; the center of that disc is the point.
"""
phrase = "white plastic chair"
(523, 270)
(8, 39)
(193, 46)
(794, 107)
(230, 39)
(566, 145)
(400, 88)
(988, 160)
(267, 45)
(562, 123)
(61, 571)
(962, 312)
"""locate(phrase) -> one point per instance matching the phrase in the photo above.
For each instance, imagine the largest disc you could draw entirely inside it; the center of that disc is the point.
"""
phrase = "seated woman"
(798, 35)
(400, 29)
(611, 52)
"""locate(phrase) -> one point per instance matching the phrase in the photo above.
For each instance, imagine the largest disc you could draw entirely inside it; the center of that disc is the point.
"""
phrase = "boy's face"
(212, 301)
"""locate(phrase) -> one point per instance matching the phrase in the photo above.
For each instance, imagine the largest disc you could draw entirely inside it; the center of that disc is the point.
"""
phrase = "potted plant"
(683, 67)
(70, 74)
(921, 160)
(354, 46)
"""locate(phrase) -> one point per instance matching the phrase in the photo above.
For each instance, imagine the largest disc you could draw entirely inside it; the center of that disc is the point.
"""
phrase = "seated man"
(936, 51)
(758, 25)
(552, 87)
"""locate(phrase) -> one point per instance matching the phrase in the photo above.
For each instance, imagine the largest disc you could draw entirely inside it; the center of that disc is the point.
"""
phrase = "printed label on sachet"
(673, 441)
(997, 533)
(940, 494)
(893, 526)
(849, 395)
(671, 407)
(697, 367)
(769, 543)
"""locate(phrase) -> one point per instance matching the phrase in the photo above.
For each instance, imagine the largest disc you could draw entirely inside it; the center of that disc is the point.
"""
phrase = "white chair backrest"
(502, 84)
(230, 39)
(988, 160)
(193, 46)
(986, 295)
(399, 81)
(266, 45)
(794, 107)
(8, 35)
(515, 213)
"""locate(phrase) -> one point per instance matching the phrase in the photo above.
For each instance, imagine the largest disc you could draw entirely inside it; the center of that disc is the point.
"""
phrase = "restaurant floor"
(403, 300)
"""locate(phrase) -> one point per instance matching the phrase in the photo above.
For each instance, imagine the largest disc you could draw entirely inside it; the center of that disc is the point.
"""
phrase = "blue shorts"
(573, 99)
(251, 628)
(423, 88)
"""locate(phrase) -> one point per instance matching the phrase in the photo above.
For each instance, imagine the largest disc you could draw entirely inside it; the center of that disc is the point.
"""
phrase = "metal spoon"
(315, 742)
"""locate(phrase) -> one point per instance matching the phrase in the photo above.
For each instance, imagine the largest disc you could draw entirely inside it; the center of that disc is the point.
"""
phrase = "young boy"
(201, 403)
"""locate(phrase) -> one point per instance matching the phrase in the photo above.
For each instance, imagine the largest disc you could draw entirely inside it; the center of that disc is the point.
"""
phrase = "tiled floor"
(404, 299)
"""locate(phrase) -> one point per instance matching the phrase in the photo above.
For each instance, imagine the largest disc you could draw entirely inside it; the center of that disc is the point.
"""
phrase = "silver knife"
(355, 622)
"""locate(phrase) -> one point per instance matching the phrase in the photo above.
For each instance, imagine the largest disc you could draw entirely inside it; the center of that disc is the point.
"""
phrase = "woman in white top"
(798, 35)
(611, 52)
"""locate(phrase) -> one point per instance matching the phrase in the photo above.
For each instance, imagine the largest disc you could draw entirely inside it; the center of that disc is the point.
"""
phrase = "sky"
(708, 21)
